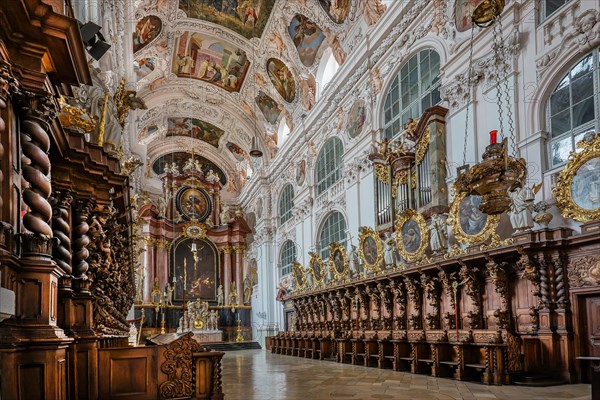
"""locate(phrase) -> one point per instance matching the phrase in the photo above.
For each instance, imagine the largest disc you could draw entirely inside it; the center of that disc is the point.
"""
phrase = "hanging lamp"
(499, 172)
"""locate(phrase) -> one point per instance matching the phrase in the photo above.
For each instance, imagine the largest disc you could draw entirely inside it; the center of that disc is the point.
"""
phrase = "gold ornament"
(370, 249)
(338, 256)
(487, 232)
(194, 229)
(317, 269)
(299, 276)
(486, 11)
(415, 220)
(577, 165)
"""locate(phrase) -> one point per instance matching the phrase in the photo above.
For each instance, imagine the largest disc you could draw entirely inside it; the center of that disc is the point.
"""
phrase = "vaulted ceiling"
(216, 73)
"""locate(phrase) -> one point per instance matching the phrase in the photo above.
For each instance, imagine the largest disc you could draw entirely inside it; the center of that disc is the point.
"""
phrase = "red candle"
(493, 136)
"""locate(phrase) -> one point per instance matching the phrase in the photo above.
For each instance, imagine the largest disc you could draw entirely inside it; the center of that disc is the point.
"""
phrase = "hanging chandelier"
(499, 172)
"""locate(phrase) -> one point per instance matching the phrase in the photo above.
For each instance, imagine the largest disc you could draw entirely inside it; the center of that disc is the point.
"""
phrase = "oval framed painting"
(193, 203)
(412, 235)
(281, 77)
(146, 30)
(370, 249)
(317, 266)
(577, 189)
(469, 224)
(338, 261)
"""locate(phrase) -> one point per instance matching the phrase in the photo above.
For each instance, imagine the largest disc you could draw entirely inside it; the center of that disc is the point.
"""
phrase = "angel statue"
(520, 208)
(389, 255)
(220, 296)
(354, 262)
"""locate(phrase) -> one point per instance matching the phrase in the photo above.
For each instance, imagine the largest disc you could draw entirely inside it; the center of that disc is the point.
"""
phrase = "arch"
(414, 87)
(552, 75)
(327, 69)
(286, 203)
(332, 229)
(571, 109)
(328, 168)
(287, 255)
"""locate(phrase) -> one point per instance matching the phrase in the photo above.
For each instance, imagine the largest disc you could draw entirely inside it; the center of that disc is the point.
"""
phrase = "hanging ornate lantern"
(494, 177)
(486, 10)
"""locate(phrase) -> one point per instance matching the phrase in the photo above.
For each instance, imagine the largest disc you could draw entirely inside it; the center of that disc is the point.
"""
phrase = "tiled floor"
(260, 375)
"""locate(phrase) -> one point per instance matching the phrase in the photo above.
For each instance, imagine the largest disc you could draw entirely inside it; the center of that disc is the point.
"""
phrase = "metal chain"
(507, 68)
(498, 59)
(469, 83)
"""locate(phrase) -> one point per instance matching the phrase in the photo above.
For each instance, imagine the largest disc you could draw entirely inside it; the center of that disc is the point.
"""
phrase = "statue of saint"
(354, 262)
(220, 296)
(389, 255)
(247, 290)
(520, 208)
(438, 236)
(213, 320)
(169, 295)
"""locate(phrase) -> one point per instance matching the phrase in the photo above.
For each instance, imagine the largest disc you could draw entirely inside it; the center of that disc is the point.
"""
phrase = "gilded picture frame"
(370, 249)
(299, 278)
(577, 189)
(412, 235)
(470, 236)
(338, 261)
(316, 267)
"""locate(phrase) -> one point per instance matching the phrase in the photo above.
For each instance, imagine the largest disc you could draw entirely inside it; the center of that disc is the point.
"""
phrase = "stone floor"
(260, 375)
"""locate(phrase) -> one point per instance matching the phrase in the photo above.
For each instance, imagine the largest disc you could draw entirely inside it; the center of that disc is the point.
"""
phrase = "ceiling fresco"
(246, 17)
(144, 67)
(158, 166)
(281, 77)
(202, 57)
(269, 107)
(146, 30)
(337, 10)
(307, 37)
(194, 128)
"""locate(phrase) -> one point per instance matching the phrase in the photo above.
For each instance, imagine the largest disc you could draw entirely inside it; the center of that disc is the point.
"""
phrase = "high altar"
(193, 254)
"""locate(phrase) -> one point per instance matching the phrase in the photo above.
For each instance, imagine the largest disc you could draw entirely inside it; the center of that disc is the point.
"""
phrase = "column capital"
(227, 249)
(239, 248)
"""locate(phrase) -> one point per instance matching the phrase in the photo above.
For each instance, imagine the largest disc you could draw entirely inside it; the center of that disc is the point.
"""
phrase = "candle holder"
(239, 338)
(162, 327)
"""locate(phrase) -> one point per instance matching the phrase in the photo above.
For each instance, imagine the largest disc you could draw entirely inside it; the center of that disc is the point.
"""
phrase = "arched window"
(329, 164)
(286, 203)
(572, 108)
(328, 66)
(334, 230)
(415, 88)
(287, 257)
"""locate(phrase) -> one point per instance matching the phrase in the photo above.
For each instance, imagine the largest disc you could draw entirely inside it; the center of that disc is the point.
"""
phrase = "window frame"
(542, 17)
(393, 103)
(340, 235)
(580, 130)
(331, 154)
(288, 255)
(286, 203)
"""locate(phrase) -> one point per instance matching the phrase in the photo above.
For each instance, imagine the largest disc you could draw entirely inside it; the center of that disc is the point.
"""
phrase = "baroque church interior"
(290, 199)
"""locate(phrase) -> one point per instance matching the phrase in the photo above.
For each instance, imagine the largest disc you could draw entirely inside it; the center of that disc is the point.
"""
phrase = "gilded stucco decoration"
(469, 225)
(370, 249)
(316, 267)
(577, 189)
(338, 261)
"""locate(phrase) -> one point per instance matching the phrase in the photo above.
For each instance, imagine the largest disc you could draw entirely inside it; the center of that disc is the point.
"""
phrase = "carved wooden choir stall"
(484, 304)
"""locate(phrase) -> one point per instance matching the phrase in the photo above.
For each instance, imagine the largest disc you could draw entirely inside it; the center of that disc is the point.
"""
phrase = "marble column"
(149, 263)
(239, 271)
(226, 272)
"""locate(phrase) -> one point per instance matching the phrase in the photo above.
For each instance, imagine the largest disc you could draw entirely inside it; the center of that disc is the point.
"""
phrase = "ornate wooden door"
(590, 330)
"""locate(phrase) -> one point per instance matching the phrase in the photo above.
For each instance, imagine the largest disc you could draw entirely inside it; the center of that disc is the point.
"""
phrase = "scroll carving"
(433, 300)
(414, 294)
(113, 283)
(448, 281)
(470, 280)
(584, 272)
(399, 295)
(178, 367)
(501, 286)
(8, 86)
